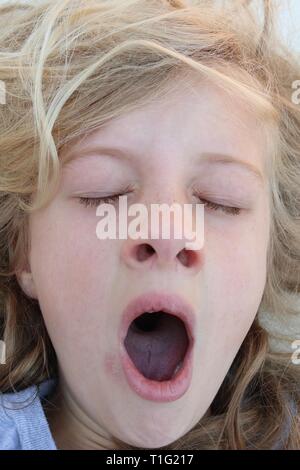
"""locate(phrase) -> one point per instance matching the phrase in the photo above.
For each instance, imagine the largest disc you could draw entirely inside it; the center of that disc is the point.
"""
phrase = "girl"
(143, 343)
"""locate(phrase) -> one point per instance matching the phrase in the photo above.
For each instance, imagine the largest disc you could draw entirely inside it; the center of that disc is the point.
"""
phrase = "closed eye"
(95, 201)
(214, 206)
(113, 199)
(109, 199)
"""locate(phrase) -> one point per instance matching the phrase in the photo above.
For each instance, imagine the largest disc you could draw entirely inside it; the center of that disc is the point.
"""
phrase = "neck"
(71, 428)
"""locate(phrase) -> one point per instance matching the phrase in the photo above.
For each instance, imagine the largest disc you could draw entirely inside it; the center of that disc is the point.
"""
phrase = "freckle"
(112, 365)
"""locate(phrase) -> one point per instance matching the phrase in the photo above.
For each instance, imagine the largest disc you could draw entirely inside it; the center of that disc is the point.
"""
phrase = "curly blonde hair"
(70, 66)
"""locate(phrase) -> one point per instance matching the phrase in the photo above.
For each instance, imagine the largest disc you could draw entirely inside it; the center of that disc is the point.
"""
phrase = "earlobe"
(27, 284)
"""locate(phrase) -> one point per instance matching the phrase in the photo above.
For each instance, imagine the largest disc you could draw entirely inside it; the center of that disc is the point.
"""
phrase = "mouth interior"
(157, 343)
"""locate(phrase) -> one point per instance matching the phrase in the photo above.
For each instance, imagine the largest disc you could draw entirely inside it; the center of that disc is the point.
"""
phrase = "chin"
(152, 437)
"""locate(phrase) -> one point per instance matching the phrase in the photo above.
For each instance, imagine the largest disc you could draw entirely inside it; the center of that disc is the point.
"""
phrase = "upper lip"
(154, 301)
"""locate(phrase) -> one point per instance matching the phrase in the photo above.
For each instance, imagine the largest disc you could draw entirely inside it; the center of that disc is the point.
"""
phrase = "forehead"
(193, 117)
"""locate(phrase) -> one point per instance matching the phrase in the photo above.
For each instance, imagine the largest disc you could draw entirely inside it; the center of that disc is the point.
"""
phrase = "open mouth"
(157, 343)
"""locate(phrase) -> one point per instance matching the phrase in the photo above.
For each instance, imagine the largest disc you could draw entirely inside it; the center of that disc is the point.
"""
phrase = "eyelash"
(94, 202)
(227, 209)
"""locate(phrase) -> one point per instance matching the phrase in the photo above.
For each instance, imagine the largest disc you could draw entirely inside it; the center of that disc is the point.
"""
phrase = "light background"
(290, 22)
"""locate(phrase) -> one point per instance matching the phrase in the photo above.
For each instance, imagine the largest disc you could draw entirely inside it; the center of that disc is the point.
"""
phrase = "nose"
(160, 252)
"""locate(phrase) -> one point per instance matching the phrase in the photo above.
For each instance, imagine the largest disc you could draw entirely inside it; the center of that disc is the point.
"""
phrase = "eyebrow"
(223, 158)
(96, 149)
(204, 157)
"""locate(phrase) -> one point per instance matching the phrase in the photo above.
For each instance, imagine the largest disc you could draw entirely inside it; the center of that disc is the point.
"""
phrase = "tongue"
(157, 352)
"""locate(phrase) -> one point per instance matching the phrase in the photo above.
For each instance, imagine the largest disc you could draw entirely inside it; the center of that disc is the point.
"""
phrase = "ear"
(26, 282)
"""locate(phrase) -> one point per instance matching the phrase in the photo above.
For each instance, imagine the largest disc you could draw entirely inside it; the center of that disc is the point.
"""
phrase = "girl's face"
(199, 138)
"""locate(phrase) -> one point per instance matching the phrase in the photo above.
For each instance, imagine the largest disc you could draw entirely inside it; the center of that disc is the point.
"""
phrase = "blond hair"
(69, 67)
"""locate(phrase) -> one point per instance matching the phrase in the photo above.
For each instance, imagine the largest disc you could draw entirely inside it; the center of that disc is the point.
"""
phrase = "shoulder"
(9, 432)
(9, 436)
(23, 424)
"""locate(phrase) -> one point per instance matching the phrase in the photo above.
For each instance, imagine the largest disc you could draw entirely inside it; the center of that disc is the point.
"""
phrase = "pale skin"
(83, 283)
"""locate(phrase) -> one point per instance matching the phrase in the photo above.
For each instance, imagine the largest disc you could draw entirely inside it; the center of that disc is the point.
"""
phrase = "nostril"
(187, 257)
(144, 251)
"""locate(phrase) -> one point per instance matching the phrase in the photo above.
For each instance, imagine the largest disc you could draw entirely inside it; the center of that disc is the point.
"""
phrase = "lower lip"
(163, 391)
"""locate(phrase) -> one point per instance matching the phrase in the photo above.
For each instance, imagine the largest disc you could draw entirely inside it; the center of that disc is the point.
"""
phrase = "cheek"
(239, 267)
(235, 279)
(234, 275)
(73, 271)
